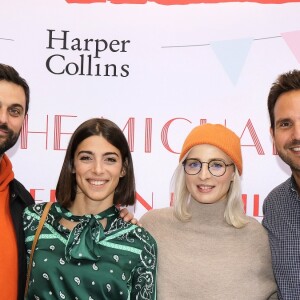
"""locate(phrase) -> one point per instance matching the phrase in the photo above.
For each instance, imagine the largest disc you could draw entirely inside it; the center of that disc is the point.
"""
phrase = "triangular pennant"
(232, 54)
(292, 39)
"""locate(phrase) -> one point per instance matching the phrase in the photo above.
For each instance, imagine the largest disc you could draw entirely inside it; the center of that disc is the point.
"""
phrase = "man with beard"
(14, 102)
(282, 206)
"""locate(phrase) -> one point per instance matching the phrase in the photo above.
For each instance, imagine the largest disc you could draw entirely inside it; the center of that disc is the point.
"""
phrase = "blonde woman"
(208, 248)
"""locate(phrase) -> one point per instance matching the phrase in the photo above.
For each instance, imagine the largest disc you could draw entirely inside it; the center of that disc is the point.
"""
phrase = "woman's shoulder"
(254, 223)
(155, 214)
(255, 228)
(128, 234)
(37, 208)
(32, 216)
(33, 213)
(141, 231)
(156, 220)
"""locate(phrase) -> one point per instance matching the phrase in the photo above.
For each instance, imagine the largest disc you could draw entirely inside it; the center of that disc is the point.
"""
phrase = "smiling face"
(286, 133)
(12, 113)
(204, 187)
(98, 168)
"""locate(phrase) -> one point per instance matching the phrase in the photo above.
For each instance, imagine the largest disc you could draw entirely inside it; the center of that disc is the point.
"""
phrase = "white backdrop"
(175, 67)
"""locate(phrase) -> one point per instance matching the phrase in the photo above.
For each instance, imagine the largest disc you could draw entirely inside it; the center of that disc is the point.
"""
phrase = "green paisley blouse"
(89, 262)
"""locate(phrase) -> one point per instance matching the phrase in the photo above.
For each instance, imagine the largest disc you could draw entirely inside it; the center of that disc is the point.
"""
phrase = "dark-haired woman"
(85, 250)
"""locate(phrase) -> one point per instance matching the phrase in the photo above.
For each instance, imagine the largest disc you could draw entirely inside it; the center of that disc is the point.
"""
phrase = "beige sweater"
(206, 259)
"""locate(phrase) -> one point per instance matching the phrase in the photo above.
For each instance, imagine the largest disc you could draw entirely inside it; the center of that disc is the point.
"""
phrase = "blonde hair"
(234, 213)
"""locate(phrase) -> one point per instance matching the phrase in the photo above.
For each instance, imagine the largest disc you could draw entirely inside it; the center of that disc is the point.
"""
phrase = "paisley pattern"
(89, 262)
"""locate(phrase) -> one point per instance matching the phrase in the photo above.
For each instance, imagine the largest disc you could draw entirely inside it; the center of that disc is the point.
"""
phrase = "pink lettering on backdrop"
(38, 195)
(254, 137)
(256, 204)
(148, 135)
(47, 126)
(130, 138)
(176, 2)
(57, 131)
(25, 131)
(164, 134)
(38, 192)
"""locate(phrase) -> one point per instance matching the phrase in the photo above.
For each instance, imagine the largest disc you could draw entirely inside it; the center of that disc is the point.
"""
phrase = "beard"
(10, 140)
(293, 163)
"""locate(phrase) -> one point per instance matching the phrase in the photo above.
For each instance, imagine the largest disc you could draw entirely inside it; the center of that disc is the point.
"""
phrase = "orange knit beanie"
(216, 135)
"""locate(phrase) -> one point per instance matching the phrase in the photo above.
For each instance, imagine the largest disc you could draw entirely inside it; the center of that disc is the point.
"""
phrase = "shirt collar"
(293, 185)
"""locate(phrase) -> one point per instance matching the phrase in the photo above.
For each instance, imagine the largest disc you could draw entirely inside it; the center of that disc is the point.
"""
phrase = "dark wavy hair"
(9, 74)
(285, 82)
(66, 187)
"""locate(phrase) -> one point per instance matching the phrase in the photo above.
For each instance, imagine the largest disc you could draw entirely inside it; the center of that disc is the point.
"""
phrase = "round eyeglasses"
(216, 167)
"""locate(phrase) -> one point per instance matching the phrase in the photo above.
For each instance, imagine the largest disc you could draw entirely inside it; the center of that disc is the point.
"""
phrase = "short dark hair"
(9, 74)
(66, 187)
(285, 82)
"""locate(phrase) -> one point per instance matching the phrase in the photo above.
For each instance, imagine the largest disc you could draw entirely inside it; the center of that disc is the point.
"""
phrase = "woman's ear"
(124, 168)
(232, 176)
(123, 172)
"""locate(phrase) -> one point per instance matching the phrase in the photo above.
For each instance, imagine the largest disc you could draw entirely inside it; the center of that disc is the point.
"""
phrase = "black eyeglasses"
(216, 167)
